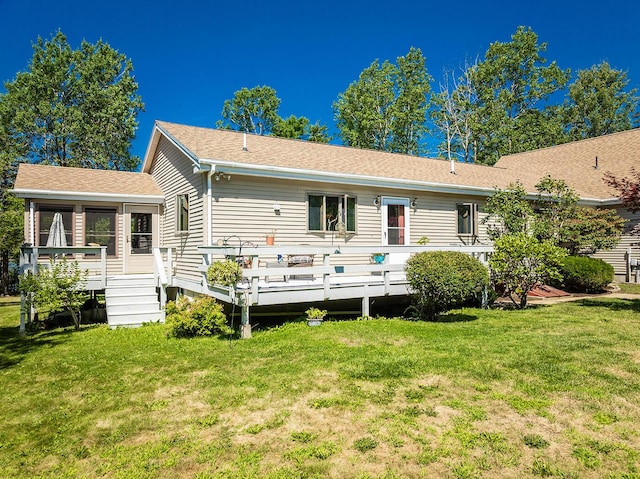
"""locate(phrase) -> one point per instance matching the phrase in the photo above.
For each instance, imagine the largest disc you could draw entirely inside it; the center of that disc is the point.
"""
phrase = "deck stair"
(132, 300)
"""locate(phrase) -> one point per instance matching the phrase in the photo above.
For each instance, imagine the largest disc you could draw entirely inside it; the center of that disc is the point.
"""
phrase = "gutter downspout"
(209, 241)
(32, 224)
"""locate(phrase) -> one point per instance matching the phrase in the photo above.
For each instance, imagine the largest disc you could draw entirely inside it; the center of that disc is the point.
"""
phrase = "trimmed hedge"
(582, 274)
(443, 280)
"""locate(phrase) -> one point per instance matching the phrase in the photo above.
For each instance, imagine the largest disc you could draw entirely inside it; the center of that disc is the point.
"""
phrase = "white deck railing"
(334, 270)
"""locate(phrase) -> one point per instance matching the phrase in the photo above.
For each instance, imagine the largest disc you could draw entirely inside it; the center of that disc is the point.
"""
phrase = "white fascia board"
(82, 196)
(342, 178)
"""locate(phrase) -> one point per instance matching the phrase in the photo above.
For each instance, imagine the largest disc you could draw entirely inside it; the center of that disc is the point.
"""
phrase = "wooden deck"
(273, 274)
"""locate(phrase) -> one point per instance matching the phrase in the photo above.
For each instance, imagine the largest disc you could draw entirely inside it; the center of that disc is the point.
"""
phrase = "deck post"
(365, 302)
(245, 325)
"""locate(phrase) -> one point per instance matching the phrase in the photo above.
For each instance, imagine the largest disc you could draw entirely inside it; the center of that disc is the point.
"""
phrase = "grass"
(547, 392)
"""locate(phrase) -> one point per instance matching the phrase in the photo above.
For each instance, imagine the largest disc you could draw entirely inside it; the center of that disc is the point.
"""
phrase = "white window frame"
(472, 219)
(179, 213)
(343, 212)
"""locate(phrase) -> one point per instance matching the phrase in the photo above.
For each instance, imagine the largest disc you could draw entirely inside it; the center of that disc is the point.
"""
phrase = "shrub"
(519, 262)
(201, 317)
(582, 274)
(225, 273)
(442, 280)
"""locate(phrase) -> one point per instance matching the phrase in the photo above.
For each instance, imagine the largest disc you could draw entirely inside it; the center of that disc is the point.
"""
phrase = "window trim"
(473, 220)
(179, 216)
(51, 207)
(343, 212)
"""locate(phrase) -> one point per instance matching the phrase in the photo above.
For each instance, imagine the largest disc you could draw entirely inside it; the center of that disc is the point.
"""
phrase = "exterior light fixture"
(377, 200)
(414, 203)
(221, 176)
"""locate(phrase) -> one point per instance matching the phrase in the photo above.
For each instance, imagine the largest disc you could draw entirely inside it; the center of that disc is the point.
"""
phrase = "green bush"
(582, 274)
(202, 316)
(442, 280)
(224, 273)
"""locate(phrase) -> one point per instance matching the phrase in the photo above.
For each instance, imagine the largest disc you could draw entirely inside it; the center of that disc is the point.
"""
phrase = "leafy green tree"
(60, 287)
(11, 208)
(554, 215)
(386, 108)
(252, 110)
(509, 211)
(599, 103)
(255, 111)
(520, 261)
(628, 188)
(512, 85)
(75, 107)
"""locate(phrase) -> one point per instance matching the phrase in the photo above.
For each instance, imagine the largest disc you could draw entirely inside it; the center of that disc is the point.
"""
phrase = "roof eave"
(87, 196)
(341, 178)
(158, 132)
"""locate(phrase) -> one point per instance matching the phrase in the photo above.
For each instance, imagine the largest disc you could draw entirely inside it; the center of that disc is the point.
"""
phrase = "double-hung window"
(331, 213)
(467, 219)
(182, 213)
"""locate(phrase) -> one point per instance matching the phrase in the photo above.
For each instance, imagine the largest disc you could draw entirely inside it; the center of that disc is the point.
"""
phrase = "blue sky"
(190, 56)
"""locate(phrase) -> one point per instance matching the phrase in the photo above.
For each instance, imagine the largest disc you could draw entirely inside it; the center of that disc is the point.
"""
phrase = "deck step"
(132, 300)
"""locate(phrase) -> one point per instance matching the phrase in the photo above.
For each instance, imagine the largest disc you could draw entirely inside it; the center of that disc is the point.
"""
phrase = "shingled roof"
(574, 162)
(582, 164)
(43, 180)
(211, 145)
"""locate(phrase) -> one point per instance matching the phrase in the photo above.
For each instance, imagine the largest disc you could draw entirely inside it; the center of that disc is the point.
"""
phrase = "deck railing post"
(326, 277)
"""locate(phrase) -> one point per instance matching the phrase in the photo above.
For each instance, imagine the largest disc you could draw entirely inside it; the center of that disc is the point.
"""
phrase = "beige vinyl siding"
(174, 174)
(617, 257)
(243, 206)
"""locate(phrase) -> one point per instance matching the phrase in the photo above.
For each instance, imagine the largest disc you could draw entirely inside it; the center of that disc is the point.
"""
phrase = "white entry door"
(141, 226)
(395, 226)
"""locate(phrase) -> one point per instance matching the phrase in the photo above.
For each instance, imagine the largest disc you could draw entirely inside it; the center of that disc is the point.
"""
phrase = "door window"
(141, 233)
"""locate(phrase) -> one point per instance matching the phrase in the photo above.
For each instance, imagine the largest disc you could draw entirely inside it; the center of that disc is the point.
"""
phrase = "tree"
(509, 211)
(252, 110)
(11, 208)
(599, 103)
(553, 216)
(519, 262)
(386, 108)
(255, 111)
(452, 115)
(75, 107)
(56, 288)
(628, 192)
(512, 84)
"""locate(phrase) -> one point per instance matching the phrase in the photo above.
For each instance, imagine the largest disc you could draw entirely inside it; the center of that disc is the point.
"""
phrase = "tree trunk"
(4, 272)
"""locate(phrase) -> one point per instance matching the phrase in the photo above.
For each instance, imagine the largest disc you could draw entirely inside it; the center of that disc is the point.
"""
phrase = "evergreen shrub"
(582, 274)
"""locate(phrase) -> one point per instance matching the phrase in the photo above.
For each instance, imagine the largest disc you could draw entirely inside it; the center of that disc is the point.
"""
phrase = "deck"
(276, 275)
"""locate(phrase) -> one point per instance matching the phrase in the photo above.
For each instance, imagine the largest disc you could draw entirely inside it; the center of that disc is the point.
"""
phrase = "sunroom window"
(331, 212)
(45, 219)
(100, 228)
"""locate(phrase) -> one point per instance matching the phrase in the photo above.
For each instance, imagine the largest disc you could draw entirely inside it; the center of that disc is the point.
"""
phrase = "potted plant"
(271, 237)
(378, 258)
(315, 316)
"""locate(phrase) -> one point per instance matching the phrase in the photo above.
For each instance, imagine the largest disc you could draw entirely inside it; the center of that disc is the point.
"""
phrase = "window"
(467, 219)
(100, 228)
(141, 233)
(182, 206)
(327, 212)
(45, 219)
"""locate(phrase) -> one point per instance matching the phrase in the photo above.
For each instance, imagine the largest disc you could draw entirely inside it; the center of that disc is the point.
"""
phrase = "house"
(303, 218)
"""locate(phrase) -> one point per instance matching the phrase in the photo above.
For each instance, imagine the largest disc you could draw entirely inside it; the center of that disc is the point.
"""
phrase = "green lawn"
(548, 392)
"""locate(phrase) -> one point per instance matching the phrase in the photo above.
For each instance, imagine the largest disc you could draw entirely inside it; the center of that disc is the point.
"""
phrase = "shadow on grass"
(14, 347)
(455, 318)
(615, 304)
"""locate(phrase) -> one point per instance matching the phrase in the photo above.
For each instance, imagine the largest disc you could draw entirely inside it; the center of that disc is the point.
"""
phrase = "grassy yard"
(548, 392)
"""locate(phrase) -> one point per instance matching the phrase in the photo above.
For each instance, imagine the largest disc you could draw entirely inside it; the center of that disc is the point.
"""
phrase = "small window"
(467, 219)
(100, 228)
(182, 206)
(328, 212)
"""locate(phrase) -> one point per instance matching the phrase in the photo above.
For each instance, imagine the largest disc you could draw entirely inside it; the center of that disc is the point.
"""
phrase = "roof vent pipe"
(244, 141)
(453, 167)
(596, 165)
